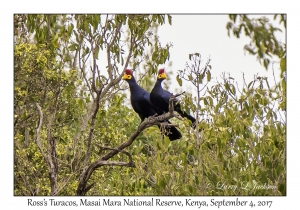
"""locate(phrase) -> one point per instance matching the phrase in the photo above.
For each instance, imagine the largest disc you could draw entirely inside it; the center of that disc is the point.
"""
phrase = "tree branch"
(113, 39)
(82, 189)
(108, 148)
(52, 157)
(118, 79)
(38, 132)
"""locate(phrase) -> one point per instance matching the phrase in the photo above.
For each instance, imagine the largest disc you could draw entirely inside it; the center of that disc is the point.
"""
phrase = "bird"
(141, 104)
(160, 99)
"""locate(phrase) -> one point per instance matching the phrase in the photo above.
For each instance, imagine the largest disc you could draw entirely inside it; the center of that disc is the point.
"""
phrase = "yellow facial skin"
(162, 76)
(126, 76)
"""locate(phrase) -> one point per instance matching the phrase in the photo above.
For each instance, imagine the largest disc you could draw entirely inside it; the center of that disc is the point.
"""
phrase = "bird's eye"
(162, 76)
(129, 76)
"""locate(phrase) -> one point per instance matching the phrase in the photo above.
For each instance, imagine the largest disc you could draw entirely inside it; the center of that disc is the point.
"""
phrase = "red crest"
(128, 71)
(161, 71)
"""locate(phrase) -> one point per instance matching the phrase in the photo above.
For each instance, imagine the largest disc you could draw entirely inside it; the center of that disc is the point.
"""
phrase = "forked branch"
(82, 186)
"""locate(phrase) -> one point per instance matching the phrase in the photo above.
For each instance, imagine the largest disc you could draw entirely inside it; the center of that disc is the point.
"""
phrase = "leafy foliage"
(263, 42)
(69, 113)
(262, 33)
(243, 132)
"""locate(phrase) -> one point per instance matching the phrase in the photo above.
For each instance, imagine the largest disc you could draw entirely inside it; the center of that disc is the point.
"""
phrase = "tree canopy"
(74, 133)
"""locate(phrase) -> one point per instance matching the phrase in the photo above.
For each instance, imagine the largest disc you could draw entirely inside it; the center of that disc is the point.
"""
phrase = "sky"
(226, 53)
(207, 35)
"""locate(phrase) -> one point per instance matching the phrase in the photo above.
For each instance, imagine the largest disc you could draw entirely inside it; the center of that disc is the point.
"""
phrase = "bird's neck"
(158, 83)
(133, 86)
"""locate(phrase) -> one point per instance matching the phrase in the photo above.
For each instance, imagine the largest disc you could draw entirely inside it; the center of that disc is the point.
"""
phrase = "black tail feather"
(191, 118)
(171, 132)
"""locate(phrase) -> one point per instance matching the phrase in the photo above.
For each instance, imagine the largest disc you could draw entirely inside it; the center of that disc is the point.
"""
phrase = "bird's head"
(127, 75)
(161, 74)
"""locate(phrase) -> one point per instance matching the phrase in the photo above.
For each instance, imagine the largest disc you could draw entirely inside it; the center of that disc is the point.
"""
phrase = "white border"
(8, 8)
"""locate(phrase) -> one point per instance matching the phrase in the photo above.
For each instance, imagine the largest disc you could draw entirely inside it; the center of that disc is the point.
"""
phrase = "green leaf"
(229, 26)
(81, 103)
(96, 20)
(232, 17)
(257, 96)
(210, 101)
(70, 29)
(283, 64)
(179, 80)
(96, 50)
(250, 84)
(232, 89)
(219, 143)
(170, 19)
(247, 106)
(73, 47)
(266, 63)
(227, 86)
(208, 76)
(191, 188)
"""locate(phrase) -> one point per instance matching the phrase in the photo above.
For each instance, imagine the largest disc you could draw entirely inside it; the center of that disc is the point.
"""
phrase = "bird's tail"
(190, 117)
(171, 132)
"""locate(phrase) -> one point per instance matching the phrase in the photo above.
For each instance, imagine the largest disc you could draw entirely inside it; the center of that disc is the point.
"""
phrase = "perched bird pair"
(157, 102)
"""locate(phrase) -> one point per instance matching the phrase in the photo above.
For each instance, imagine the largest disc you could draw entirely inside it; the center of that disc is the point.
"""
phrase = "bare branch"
(88, 85)
(75, 58)
(88, 151)
(94, 68)
(116, 163)
(118, 79)
(108, 148)
(165, 124)
(113, 39)
(84, 124)
(38, 132)
(50, 158)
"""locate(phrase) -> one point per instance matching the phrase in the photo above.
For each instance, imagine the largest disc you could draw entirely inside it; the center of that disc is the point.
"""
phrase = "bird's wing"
(142, 105)
(164, 99)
